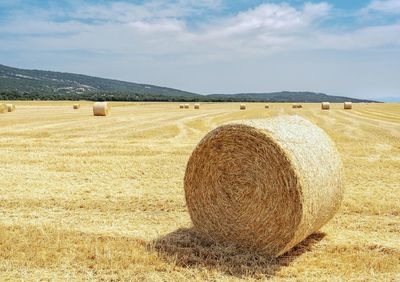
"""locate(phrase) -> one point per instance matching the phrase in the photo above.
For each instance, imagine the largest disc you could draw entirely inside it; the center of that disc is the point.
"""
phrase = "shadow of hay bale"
(188, 248)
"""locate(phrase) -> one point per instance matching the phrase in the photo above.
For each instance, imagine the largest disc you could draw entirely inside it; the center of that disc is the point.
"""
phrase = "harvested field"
(87, 198)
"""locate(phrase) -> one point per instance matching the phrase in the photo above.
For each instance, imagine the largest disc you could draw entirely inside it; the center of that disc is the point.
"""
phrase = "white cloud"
(385, 6)
(159, 37)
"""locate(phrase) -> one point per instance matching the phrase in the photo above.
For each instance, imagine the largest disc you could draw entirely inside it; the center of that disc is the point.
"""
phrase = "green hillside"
(22, 84)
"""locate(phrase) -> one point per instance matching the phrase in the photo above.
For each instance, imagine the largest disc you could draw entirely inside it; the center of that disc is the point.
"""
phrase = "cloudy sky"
(337, 47)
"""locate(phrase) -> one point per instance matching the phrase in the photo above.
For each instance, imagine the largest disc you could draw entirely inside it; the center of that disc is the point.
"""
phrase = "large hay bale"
(197, 106)
(325, 105)
(297, 106)
(186, 106)
(242, 106)
(76, 106)
(348, 105)
(3, 108)
(266, 106)
(264, 185)
(101, 109)
(181, 106)
(10, 107)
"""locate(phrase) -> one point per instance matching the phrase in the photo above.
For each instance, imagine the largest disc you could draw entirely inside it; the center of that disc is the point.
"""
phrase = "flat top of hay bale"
(265, 185)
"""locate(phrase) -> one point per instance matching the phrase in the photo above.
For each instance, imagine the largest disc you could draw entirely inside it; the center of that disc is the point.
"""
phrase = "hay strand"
(263, 185)
(348, 105)
(325, 105)
(10, 107)
(242, 106)
(101, 109)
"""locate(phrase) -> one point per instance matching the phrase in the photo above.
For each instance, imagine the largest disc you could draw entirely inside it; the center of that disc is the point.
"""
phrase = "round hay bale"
(242, 106)
(348, 105)
(10, 107)
(181, 106)
(263, 185)
(197, 106)
(101, 109)
(325, 105)
(76, 106)
(3, 108)
(186, 106)
(266, 106)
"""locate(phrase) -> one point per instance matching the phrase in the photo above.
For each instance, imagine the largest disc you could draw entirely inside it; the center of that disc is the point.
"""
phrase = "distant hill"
(22, 84)
(286, 96)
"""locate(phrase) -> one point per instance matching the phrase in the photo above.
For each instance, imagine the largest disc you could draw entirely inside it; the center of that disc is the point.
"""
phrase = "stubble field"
(101, 198)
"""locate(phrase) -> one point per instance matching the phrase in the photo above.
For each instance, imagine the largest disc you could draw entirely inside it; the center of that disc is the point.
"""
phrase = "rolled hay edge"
(263, 185)
(3, 108)
(325, 105)
(348, 105)
(101, 109)
(10, 107)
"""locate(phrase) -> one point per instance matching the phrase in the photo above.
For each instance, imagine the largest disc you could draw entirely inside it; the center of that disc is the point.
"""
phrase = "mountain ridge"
(24, 84)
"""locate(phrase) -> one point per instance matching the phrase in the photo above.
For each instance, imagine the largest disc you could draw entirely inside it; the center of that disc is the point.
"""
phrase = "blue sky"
(212, 46)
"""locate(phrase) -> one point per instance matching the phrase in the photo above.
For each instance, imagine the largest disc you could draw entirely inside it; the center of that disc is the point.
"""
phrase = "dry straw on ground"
(101, 109)
(10, 107)
(76, 106)
(325, 105)
(264, 185)
(3, 108)
(348, 105)
(197, 106)
(242, 106)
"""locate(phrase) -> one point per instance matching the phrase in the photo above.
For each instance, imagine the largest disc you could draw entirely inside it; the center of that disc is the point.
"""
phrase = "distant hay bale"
(3, 108)
(101, 109)
(242, 106)
(348, 105)
(181, 106)
(76, 106)
(297, 106)
(186, 106)
(325, 105)
(10, 107)
(266, 106)
(263, 185)
(197, 106)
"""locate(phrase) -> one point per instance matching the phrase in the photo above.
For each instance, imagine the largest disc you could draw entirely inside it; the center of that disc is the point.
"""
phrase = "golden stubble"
(101, 198)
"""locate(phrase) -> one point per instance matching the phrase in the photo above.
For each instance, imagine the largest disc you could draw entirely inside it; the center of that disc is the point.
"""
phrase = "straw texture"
(348, 105)
(197, 106)
(10, 107)
(76, 106)
(325, 105)
(101, 109)
(3, 108)
(242, 106)
(263, 185)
